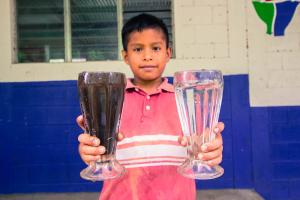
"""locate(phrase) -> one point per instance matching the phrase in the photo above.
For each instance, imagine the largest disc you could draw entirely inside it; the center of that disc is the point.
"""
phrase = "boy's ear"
(169, 53)
(125, 56)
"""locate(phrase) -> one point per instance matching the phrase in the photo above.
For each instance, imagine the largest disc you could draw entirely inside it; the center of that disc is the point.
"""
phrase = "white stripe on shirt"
(138, 151)
(144, 138)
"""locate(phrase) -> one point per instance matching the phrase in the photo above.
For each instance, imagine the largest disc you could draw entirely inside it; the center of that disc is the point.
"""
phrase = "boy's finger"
(89, 158)
(211, 154)
(215, 161)
(120, 136)
(80, 122)
(86, 139)
(213, 145)
(90, 150)
(219, 128)
(182, 140)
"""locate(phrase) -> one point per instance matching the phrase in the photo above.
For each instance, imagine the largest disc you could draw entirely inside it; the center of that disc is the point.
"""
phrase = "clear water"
(199, 107)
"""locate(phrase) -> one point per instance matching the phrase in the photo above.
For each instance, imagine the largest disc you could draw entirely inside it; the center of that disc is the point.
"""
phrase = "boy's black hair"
(140, 23)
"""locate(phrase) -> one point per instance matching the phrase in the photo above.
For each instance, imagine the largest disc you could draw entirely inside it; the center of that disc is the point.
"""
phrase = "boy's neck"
(148, 86)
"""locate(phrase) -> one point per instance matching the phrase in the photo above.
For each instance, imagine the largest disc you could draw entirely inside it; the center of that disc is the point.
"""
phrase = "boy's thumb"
(80, 122)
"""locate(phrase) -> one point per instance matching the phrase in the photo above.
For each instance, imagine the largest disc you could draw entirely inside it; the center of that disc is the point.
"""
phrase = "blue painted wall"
(276, 151)
(38, 145)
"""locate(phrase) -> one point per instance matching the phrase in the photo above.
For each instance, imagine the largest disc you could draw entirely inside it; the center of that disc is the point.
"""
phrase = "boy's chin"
(149, 79)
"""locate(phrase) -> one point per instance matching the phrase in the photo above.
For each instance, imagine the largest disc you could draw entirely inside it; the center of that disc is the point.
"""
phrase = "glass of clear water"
(198, 96)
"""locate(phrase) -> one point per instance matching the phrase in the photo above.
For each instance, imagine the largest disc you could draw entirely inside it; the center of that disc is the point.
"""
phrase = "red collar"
(163, 86)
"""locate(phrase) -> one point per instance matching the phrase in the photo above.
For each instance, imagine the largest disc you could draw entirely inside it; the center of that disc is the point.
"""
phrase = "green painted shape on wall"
(265, 11)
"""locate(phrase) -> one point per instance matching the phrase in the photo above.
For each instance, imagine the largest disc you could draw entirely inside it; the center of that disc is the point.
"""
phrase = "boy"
(151, 144)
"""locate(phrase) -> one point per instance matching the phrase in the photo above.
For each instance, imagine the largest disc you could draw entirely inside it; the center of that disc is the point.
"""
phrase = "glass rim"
(100, 72)
(199, 70)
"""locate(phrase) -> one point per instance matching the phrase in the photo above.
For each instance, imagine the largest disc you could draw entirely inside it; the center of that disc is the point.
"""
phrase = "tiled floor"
(203, 195)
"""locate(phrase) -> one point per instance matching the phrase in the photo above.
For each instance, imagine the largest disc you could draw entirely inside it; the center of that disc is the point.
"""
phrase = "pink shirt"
(150, 150)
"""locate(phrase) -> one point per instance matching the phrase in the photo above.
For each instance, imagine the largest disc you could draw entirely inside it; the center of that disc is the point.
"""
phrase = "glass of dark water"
(101, 97)
(198, 97)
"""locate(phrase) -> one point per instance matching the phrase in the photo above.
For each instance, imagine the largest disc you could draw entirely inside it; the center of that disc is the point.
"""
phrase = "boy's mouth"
(147, 67)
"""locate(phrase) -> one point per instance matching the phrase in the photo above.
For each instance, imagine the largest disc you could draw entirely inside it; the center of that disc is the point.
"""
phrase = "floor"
(203, 195)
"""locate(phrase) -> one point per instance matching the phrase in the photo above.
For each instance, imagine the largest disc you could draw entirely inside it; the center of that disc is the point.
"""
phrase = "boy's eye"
(137, 49)
(156, 48)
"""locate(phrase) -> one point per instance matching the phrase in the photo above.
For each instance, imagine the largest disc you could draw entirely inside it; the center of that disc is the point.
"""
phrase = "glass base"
(196, 169)
(99, 171)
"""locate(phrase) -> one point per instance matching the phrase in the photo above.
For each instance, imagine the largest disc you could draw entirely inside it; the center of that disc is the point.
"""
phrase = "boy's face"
(147, 54)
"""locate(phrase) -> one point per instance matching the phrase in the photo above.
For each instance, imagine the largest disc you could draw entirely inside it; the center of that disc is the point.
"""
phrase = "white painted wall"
(212, 34)
(274, 62)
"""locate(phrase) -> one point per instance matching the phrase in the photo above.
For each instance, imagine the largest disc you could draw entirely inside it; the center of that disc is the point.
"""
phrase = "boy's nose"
(147, 55)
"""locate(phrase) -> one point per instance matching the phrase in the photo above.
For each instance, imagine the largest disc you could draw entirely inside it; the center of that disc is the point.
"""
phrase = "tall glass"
(198, 98)
(101, 97)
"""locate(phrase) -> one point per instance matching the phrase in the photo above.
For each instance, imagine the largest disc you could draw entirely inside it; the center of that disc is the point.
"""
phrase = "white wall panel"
(274, 63)
(225, 35)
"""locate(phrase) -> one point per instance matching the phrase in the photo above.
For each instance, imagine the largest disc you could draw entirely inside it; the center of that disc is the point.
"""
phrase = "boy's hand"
(212, 151)
(89, 146)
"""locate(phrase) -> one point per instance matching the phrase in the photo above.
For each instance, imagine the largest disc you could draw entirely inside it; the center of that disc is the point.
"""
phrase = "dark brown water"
(101, 100)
